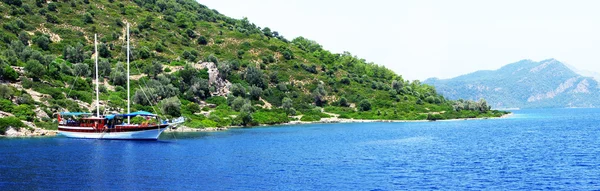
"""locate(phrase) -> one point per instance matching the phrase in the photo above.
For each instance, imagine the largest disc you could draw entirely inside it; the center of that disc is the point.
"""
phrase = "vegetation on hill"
(524, 84)
(262, 77)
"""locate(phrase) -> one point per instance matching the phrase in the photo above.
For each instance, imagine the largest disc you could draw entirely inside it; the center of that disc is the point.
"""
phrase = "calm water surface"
(533, 149)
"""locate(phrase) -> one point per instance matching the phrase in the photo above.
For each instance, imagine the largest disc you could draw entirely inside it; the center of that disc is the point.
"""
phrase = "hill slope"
(190, 60)
(524, 84)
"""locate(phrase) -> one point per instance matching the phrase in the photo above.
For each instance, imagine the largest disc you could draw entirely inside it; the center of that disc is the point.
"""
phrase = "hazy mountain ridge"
(524, 84)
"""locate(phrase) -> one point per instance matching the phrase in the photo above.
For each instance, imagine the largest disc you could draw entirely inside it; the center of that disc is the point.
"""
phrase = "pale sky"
(419, 39)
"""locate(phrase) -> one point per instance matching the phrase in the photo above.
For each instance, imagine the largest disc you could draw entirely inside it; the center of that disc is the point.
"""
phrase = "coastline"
(24, 132)
(184, 129)
(38, 132)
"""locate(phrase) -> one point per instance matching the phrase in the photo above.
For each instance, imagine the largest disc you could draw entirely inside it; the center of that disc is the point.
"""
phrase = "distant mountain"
(524, 84)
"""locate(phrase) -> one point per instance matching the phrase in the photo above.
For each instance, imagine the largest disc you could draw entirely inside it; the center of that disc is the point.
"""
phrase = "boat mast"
(128, 93)
(97, 82)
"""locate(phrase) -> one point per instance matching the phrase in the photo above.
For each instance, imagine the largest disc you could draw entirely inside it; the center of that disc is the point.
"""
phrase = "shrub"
(118, 78)
(6, 105)
(87, 18)
(74, 54)
(238, 103)
(270, 117)
(287, 104)
(246, 114)
(24, 38)
(35, 69)
(202, 40)
(47, 125)
(8, 73)
(6, 122)
(344, 102)
(224, 70)
(171, 106)
(365, 105)
(310, 118)
(52, 7)
(42, 41)
(238, 90)
(104, 51)
(145, 96)
(212, 58)
(319, 95)
(5, 91)
(24, 99)
(192, 107)
(254, 76)
(217, 100)
(345, 80)
(255, 93)
(24, 112)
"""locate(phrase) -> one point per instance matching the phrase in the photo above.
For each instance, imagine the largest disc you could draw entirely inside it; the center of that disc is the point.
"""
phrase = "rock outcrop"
(29, 132)
(221, 86)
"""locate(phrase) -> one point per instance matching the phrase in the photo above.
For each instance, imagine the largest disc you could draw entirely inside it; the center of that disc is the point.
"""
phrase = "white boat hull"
(150, 134)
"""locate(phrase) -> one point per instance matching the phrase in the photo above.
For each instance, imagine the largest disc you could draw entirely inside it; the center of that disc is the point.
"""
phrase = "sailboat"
(87, 125)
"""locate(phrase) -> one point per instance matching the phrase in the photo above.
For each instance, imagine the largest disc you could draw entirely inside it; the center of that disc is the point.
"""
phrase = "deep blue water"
(533, 149)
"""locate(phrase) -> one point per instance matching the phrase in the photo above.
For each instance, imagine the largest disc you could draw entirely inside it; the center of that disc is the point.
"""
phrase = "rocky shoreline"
(322, 121)
(33, 131)
(29, 132)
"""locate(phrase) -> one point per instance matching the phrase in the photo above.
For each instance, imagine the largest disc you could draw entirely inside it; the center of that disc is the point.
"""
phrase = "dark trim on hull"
(132, 139)
(114, 130)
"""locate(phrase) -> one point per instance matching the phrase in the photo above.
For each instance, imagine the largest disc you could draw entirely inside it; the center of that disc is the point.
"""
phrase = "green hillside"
(260, 78)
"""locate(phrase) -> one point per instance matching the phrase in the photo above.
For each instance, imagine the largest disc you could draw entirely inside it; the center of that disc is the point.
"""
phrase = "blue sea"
(533, 149)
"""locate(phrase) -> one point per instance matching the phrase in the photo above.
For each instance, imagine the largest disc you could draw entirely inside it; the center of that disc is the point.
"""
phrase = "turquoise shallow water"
(533, 149)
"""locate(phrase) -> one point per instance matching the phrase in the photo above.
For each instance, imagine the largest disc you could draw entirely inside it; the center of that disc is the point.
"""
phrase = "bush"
(104, 51)
(24, 112)
(255, 93)
(319, 95)
(344, 102)
(35, 69)
(6, 105)
(74, 54)
(238, 103)
(6, 91)
(217, 100)
(24, 38)
(145, 96)
(42, 41)
(238, 90)
(365, 105)
(224, 70)
(202, 40)
(254, 76)
(192, 108)
(8, 73)
(171, 106)
(81, 69)
(270, 117)
(52, 7)
(246, 114)
(24, 99)
(345, 80)
(310, 118)
(6, 122)
(87, 18)
(47, 125)
(287, 104)
(434, 117)
(52, 18)
(212, 58)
